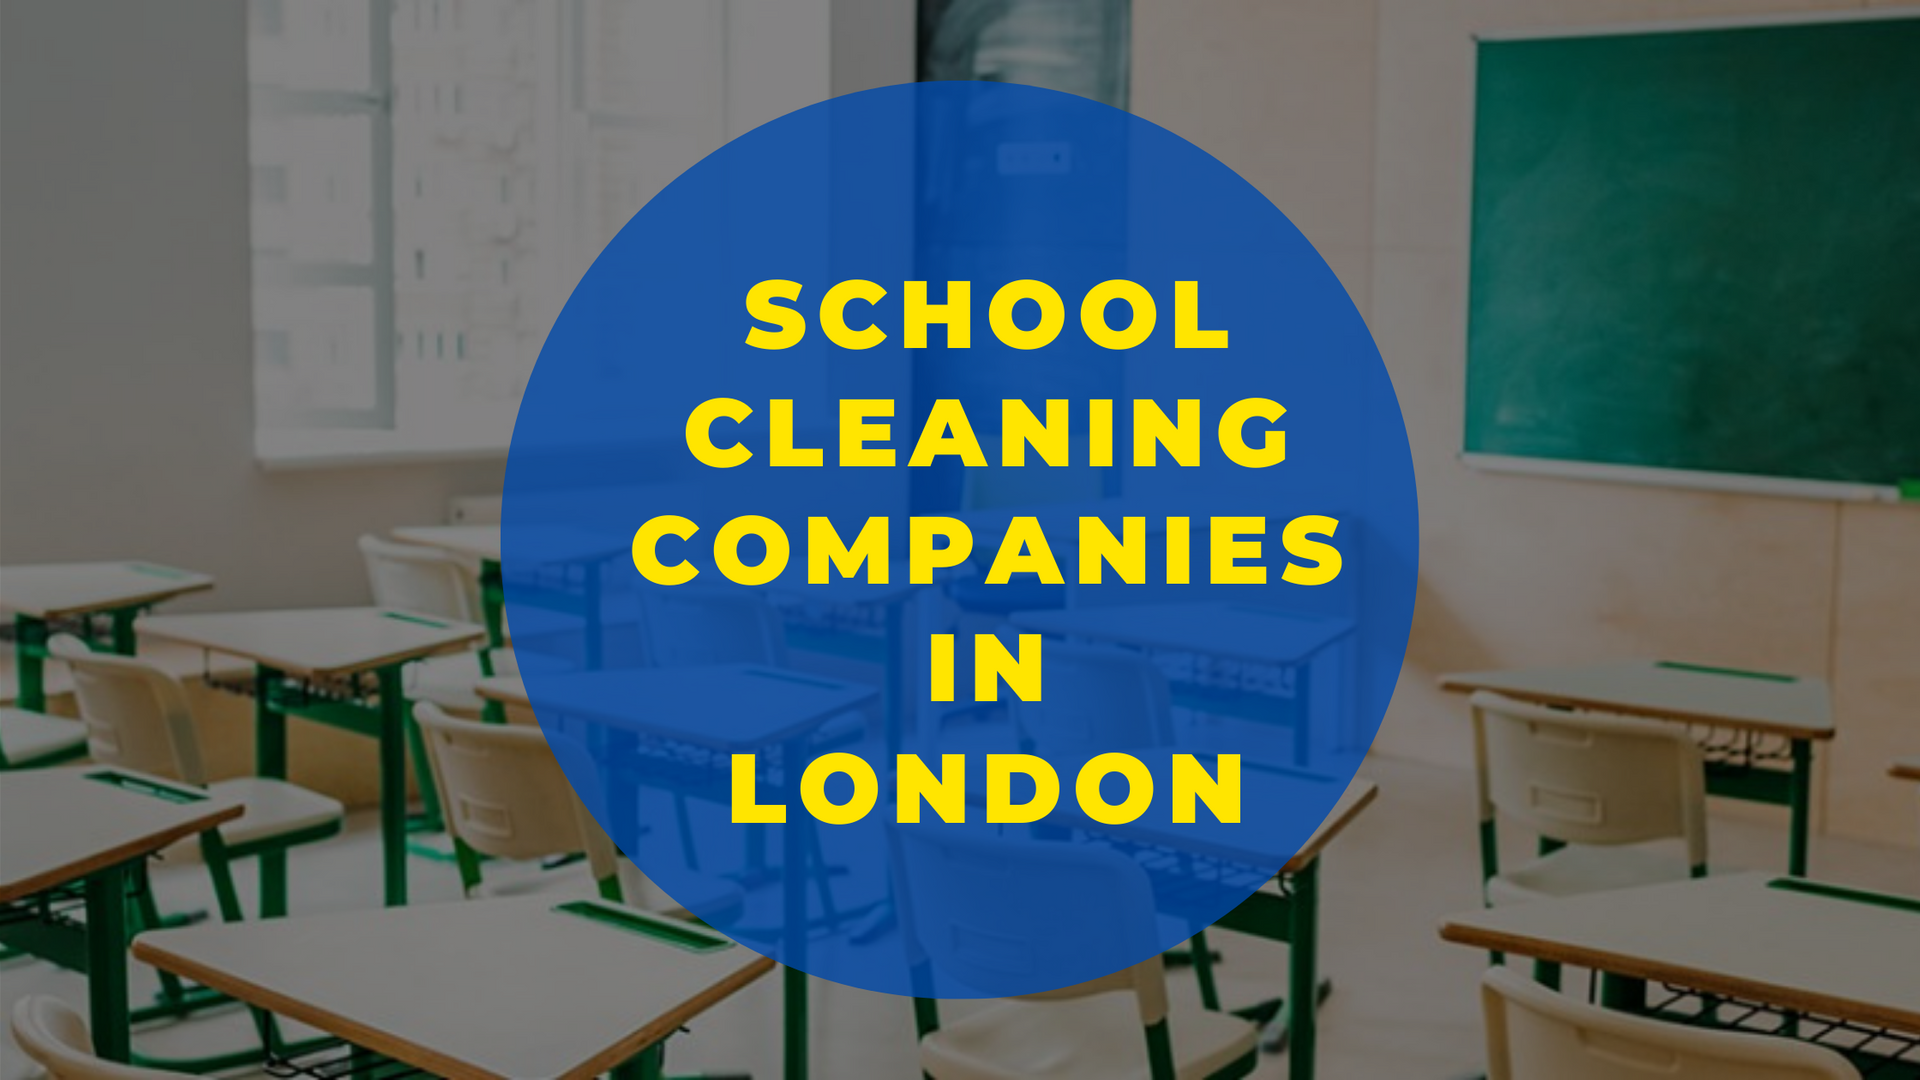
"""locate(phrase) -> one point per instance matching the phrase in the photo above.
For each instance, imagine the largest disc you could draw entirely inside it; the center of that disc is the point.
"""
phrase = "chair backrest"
(413, 577)
(1589, 778)
(1097, 700)
(50, 1032)
(966, 904)
(685, 628)
(136, 714)
(501, 788)
(1534, 1033)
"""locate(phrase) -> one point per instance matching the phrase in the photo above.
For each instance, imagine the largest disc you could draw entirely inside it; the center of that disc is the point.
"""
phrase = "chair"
(30, 739)
(50, 1032)
(686, 628)
(506, 797)
(137, 716)
(1593, 787)
(955, 889)
(413, 577)
(1534, 1033)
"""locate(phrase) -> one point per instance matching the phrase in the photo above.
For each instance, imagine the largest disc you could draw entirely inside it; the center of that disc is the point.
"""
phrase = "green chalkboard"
(1700, 249)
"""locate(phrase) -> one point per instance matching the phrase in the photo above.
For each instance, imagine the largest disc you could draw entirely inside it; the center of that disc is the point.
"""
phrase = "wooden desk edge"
(1692, 978)
(455, 645)
(1331, 829)
(216, 815)
(1765, 727)
(500, 694)
(382, 1042)
(663, 1027)
(138, 600)
(1905, 769)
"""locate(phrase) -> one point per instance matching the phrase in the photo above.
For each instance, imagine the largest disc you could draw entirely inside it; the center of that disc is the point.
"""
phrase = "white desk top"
(553, 545)
(317, 641)
(53, 590)
(1739, 935)
(1243, 842)
(1906, 768)
(732, 707)
(1796, 707)
(479, 989)
(63, 826)
(1232, 631)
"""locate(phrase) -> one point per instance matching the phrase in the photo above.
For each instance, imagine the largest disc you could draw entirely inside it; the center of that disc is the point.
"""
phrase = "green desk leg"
(1800, 803)
(794, 994)
(1303, 990)
(270, 760)
(29, 662)
(493, 601)
(125, 641)
(107, 963)
(1622, 993)
(394, 723)
(648, 1064)
(793, 884)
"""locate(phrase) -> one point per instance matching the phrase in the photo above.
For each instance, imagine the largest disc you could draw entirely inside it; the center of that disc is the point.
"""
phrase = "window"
(430, 178)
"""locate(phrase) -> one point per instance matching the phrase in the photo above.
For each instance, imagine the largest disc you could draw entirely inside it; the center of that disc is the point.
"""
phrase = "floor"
(1403, 1004)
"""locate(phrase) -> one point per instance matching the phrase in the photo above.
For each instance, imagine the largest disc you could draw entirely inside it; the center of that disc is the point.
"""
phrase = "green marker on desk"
(1738, 673)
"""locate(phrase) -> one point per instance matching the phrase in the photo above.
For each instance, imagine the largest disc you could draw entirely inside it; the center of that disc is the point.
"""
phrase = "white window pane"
(309, 45)
(314, 350)
(323, 179)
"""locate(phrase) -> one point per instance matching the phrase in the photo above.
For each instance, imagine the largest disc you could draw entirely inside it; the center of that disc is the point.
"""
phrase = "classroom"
(419, 656)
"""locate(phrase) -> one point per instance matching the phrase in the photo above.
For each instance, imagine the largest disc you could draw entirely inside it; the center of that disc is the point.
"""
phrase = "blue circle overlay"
(676, 709)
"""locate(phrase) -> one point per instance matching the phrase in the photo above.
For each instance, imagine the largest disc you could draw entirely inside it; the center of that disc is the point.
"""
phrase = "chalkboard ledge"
(1647, 476)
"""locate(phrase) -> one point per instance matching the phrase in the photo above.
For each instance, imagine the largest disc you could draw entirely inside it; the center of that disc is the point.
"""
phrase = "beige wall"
(126, 394)
(1354, 116)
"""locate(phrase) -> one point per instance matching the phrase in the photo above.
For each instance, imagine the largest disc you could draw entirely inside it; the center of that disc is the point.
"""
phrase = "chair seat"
(448, 681)
(1577, 870)
(275, 808)
(1098, 1038)
(30, 737)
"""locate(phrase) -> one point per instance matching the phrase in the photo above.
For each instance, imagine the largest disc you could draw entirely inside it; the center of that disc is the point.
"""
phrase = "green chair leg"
(1547, 974)
(431, 818)
(468, 860)
(1202, 957)
(146, 916)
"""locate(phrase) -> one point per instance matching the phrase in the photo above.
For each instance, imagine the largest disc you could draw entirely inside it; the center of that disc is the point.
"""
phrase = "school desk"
(1189, 856)
(1240, 633)
(556, 550)
(1746, 707)
(335, 666)
(477, 989)
(743, 708)
(899, 617)
(1802, 955)
(45, 593)
(72, 838)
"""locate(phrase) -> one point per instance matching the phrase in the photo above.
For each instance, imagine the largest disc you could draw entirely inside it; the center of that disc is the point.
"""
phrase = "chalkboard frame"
(1904, 490)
